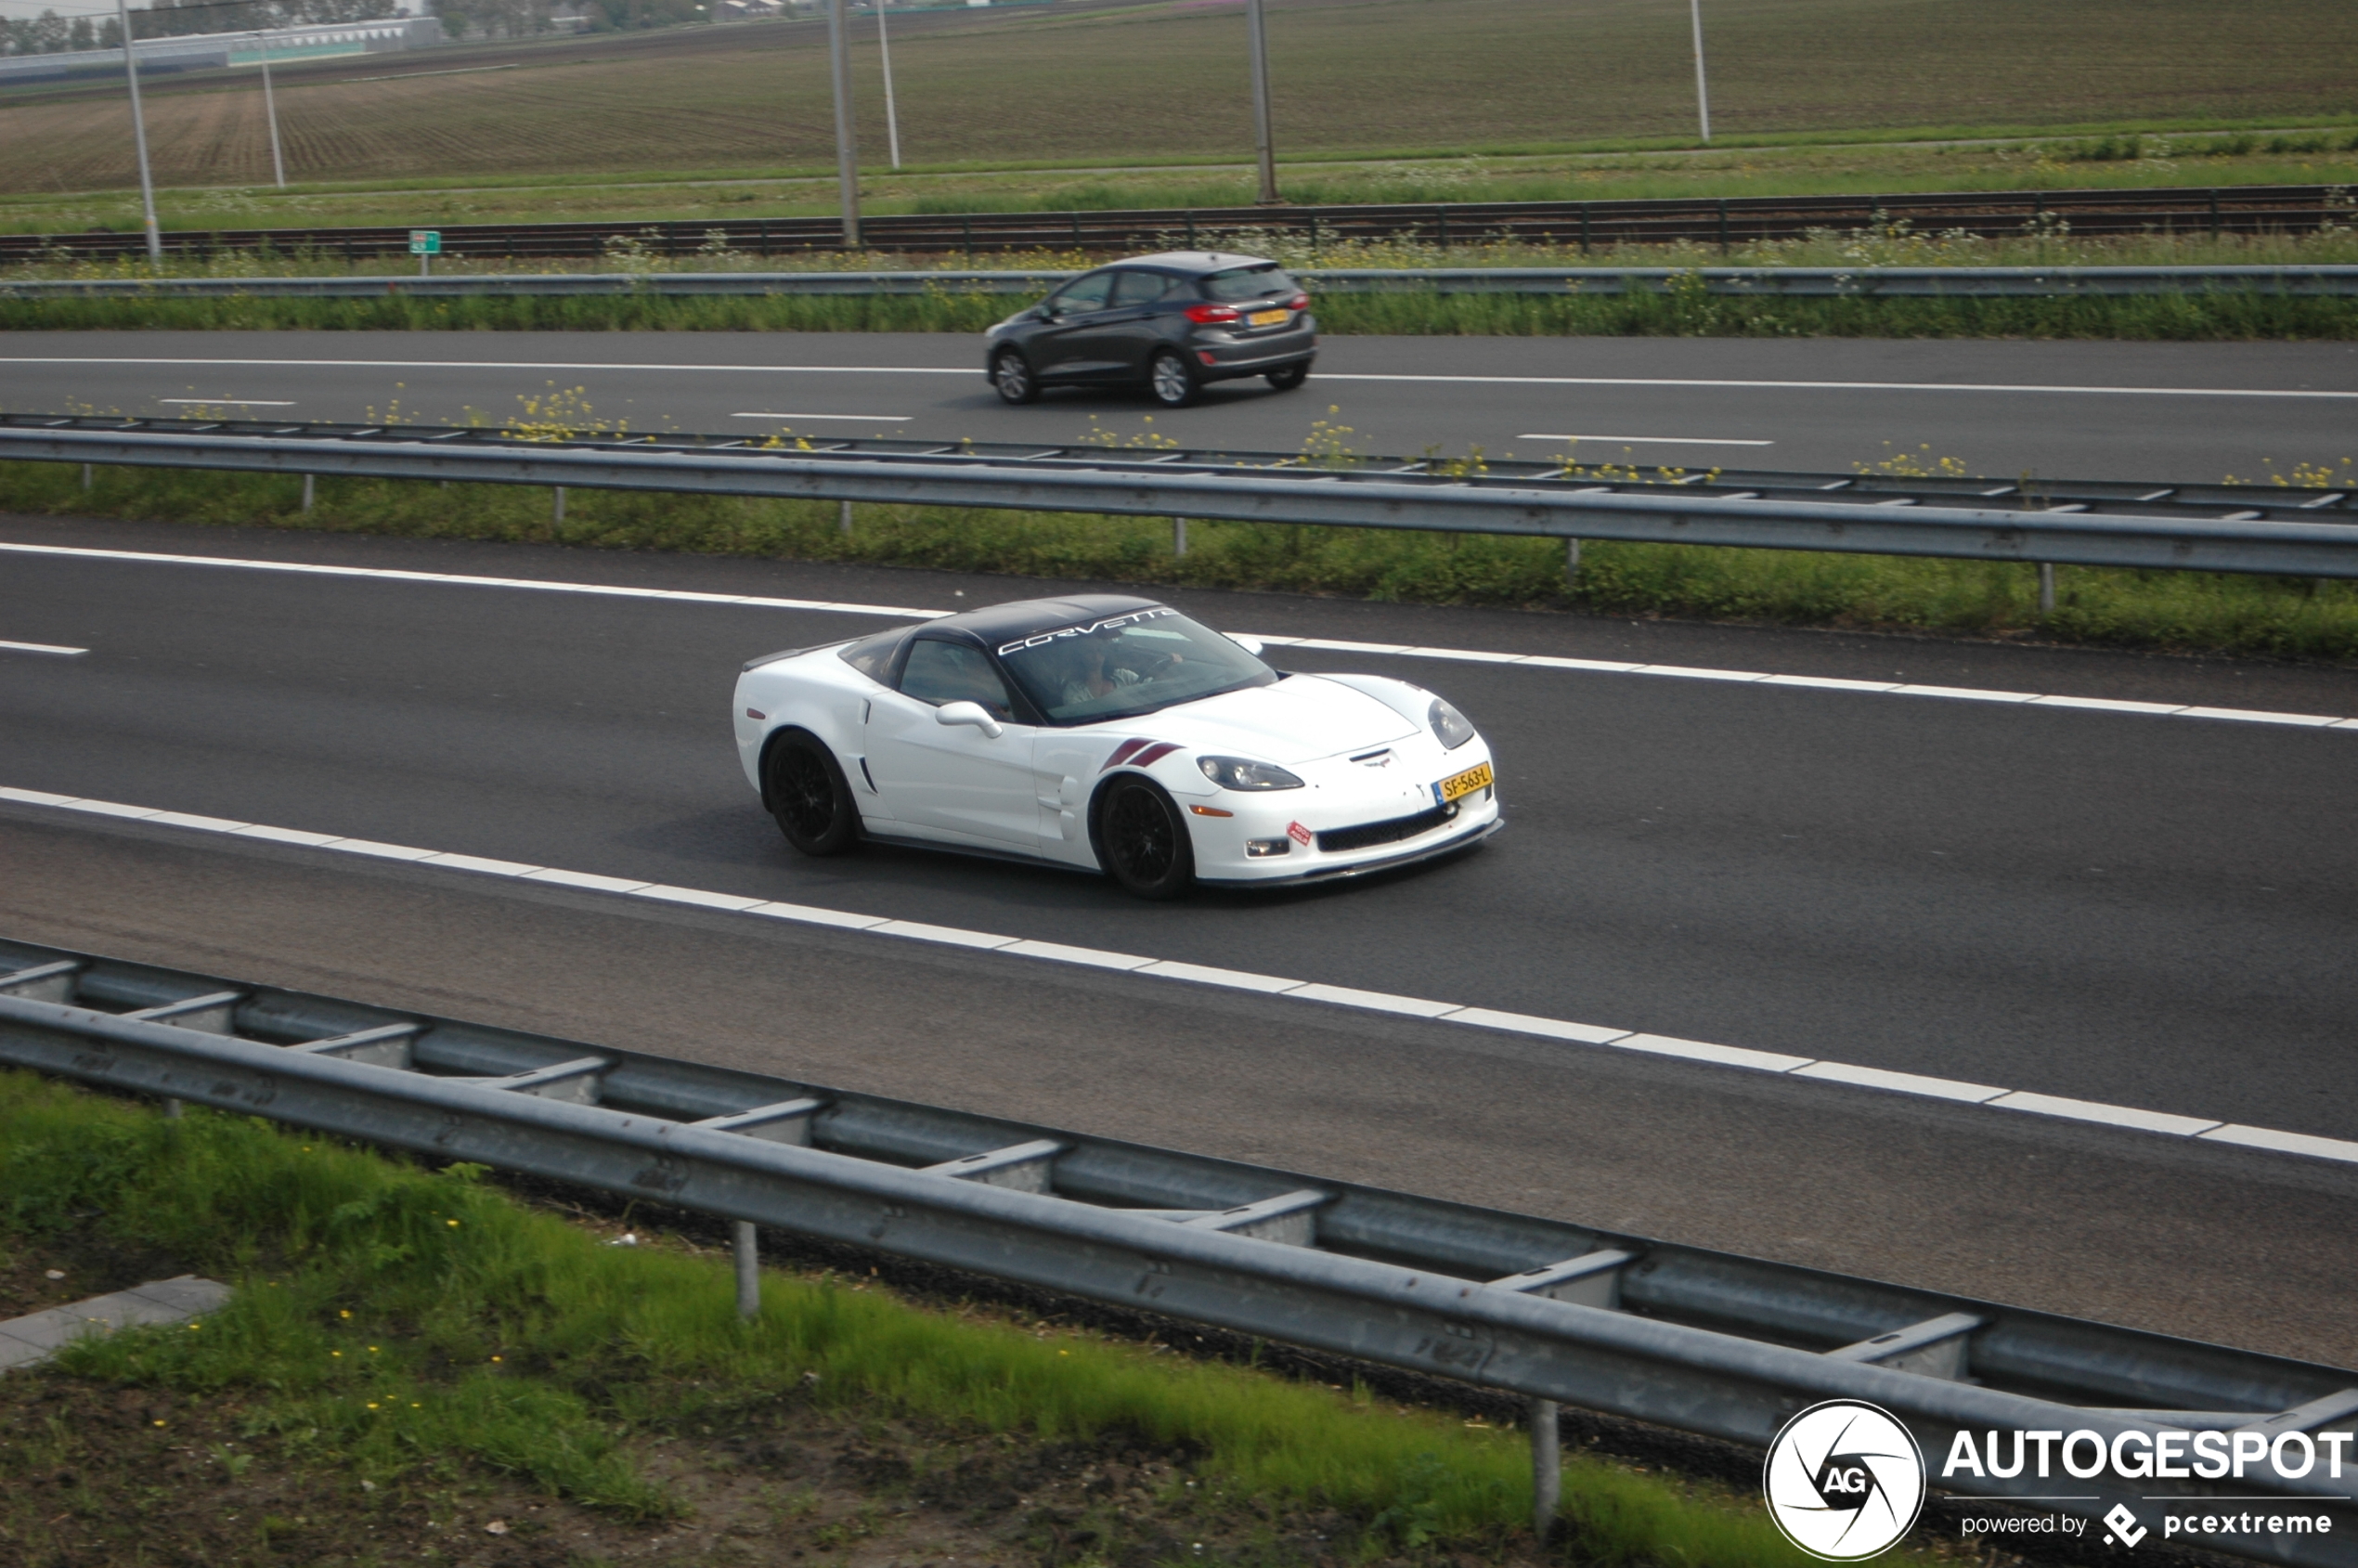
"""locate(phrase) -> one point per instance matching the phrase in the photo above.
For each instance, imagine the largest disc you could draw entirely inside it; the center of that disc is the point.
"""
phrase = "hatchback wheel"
(1142, 840)
(1172, 383)
(1011, 374)
(1288, 379)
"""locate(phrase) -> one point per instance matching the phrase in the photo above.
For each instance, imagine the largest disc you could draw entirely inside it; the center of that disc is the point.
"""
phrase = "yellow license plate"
(1463, 784)
(1267, 317)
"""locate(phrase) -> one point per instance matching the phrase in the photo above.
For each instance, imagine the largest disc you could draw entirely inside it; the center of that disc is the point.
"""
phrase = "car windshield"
(1249, 283)
(1128, 664)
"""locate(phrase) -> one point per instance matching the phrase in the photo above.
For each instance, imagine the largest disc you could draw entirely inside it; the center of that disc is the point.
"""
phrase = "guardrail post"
(557, 512)
(86, 480)
(309, 481)
(746, 1244)
(1178, 535)
(2046, 588)
(844, 520)
(1547, 1468)
(1571, 560)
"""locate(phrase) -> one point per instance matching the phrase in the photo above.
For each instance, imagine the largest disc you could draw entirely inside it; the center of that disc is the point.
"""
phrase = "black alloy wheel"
(809, 798)
(1170, 380)
(1288, 379)
(1011, 374)
(1143, 841)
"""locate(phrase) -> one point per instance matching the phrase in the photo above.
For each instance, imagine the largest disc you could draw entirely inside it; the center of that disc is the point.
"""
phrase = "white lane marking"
(881, 419)
(229, 402)
(1273, 640)
(1741, 1057)
(1848, 386)
(42, 648)
(455, 579)
(502, 365)
(1645, 440)
(1762, 677)
(1329, 375)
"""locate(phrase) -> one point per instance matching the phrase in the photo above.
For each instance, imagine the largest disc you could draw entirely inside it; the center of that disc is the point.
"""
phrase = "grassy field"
(416, 1365)
(2175, 611)
(1165, 81)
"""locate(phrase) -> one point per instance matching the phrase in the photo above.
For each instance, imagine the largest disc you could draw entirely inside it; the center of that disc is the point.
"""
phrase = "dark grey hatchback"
(1171, 323)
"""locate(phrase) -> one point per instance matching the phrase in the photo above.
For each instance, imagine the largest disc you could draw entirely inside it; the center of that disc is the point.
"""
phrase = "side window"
(941, 672)
(1138, 288)
(872, 657)
(1084, 293)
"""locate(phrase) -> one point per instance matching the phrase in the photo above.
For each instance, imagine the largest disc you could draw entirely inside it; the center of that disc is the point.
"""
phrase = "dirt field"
(1167, 79)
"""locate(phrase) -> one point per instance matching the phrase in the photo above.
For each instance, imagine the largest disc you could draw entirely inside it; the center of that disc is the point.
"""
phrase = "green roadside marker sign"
(425, 242)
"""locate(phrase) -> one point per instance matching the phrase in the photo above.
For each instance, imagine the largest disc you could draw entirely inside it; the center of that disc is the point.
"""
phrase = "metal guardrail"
(2212, 528)
(1722, 221)
(1770, 282)
(1702, 1341)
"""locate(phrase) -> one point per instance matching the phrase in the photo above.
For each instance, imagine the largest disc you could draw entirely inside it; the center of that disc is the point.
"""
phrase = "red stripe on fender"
(1124, 753)
(1153, 753)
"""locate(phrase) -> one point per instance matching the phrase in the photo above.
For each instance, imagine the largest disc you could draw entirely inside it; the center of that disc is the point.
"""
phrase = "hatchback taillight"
(1208, 315)
(1300, 302)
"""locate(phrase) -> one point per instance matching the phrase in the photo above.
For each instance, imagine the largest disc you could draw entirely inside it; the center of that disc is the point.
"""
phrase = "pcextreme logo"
(1844, 1479)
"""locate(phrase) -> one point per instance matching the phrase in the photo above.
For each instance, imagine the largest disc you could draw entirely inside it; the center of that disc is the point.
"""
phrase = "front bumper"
(1342, 801)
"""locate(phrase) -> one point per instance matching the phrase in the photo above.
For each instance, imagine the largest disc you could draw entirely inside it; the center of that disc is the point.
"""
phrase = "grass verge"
(390, 1319)
(2177, 611)
(1685, 310)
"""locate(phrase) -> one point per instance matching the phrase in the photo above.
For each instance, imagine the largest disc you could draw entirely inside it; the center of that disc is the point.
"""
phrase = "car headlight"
(1454, 727)
(1236, 772)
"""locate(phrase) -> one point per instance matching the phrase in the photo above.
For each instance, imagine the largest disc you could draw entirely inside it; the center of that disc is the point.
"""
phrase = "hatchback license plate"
(1457, 784)
(1267, 317)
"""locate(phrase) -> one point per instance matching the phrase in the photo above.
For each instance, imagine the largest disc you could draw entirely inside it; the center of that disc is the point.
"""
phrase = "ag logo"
(1844, 1481)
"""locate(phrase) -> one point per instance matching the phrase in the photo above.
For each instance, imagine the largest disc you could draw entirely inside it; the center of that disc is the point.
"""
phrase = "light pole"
(271, 112)
(892, 116)
(1703, 88)
(139, 134)
(1262, 142)
(846, 158)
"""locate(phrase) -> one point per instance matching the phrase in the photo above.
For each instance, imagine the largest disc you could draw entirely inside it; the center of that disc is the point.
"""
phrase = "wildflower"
(159, 1423)
(453, 1224)
(194, 1327)
(372, 1405)
(344, 1312)
(372, 1349)
(495, 1358)
(337, 1354)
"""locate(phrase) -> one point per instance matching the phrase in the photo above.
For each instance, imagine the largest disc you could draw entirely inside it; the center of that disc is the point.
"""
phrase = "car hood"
(1300, 718)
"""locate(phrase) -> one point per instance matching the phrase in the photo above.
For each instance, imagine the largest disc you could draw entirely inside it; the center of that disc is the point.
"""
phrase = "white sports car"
(1109, 734)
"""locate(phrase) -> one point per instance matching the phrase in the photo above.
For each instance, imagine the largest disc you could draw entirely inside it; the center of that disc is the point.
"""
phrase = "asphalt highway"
(2107, 906)
(2180, 412)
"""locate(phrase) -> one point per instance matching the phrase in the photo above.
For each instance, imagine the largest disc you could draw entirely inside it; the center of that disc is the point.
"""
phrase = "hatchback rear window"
(1249, 283)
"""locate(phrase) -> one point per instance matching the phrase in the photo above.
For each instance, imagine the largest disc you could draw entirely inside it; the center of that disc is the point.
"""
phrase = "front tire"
(1011, 376)
(1142, 840)
(1169, 382)
(1289, 378)
(809, 797)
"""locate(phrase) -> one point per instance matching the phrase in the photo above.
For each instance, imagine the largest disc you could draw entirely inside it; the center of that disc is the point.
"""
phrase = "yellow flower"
(342, 1312)
(159, 1423)
(372, 1405)
(451, 1222)
(337, 1354)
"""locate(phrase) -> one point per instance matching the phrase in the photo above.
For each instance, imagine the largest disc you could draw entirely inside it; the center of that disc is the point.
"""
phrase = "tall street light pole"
(139, 134)
(1262, 142)
(892, 115)
(846, 158)
(1703, 88)
(270, 112)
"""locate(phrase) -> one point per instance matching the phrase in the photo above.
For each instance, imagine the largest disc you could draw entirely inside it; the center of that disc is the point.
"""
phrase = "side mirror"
(1249, 644)
(972, 715)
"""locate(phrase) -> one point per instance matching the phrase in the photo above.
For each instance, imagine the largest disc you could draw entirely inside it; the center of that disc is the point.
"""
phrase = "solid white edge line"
(880, 419)
(1393, 650)
(55, 648)
(1738, 1057)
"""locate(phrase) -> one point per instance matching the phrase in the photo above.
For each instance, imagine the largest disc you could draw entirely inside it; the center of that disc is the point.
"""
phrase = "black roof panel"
(1022, 617)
